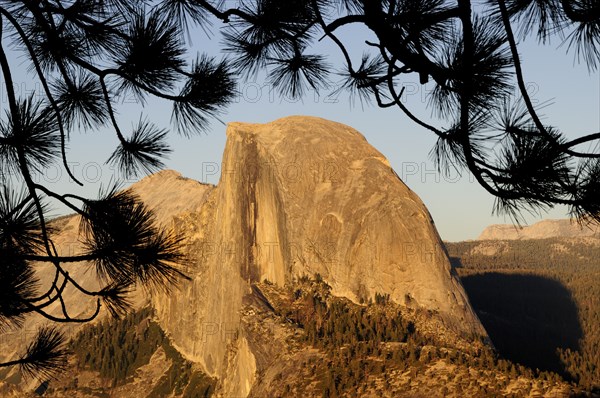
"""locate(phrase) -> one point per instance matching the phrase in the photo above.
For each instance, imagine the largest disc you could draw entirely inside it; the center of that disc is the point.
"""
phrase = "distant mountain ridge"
(559, 228)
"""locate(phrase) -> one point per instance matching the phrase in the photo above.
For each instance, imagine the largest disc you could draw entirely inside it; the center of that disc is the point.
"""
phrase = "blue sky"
(459, 206)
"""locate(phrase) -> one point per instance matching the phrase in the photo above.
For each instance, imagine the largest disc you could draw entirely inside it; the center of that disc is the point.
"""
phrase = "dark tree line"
(83, 52)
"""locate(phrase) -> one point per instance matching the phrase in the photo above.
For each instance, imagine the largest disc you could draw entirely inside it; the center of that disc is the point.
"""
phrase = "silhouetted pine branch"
(45, 355)
(142, 153)
(209, 88)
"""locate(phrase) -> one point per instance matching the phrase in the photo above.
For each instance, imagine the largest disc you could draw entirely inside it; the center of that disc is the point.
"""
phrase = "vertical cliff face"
(315, 197)
(297, 196)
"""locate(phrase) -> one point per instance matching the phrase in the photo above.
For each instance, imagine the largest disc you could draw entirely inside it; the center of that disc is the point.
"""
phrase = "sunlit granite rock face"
(298, 196)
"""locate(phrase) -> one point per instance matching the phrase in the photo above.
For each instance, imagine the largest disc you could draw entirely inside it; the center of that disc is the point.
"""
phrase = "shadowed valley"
(539, 300)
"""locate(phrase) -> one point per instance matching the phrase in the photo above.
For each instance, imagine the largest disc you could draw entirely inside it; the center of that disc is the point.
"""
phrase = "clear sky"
(459, 206)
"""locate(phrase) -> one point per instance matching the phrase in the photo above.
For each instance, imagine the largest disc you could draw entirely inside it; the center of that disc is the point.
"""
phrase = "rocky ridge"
(560, 228)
